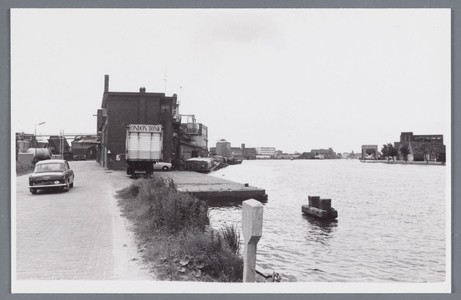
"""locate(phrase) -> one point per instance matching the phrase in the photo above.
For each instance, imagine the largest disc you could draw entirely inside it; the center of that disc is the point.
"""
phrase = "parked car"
(51, 174)
(165, 166)
(79, 157)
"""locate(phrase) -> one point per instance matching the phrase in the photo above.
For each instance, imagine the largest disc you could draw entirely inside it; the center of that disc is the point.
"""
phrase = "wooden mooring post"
(252, 227)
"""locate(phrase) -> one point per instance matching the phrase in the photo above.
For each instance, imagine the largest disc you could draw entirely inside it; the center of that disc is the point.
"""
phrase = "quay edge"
(206, 187)
(401, 162)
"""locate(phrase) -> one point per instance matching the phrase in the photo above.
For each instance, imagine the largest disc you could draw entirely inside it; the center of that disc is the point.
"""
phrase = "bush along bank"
(24, 169)
(172, 230)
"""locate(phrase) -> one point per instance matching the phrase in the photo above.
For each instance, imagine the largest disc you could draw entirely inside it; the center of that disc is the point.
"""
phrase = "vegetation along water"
(391, 225)
(172, 230)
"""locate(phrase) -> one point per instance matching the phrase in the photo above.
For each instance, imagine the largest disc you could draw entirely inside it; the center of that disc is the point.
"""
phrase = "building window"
(166, 108)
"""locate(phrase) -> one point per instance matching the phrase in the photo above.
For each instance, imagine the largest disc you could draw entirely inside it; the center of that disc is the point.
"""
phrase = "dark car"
(50, 174)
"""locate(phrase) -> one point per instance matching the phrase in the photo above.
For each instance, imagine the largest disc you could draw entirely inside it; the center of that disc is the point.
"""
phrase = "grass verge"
(172, 229)
(23, 169)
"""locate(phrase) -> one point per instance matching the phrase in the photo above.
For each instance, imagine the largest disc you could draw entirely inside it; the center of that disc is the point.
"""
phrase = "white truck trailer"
(144, 147)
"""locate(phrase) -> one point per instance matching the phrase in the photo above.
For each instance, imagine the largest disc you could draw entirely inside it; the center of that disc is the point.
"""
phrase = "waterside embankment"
(207, 187)
(402, 162)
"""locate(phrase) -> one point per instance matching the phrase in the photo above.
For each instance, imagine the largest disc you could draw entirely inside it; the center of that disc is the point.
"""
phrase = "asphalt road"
(75, 235)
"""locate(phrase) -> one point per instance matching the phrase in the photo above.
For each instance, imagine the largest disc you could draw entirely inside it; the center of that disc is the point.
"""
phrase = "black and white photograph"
(231, 150)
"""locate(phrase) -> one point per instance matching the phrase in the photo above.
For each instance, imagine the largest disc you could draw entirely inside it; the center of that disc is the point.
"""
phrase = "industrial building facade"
(267, 152)
(428, 147)
(223, 148)
(119, 109)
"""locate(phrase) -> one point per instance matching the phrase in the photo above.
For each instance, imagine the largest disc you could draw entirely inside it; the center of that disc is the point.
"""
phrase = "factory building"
(265, 152)
(223, 148)
(370, 152)
(193, 140)
(85, 146)
(422, 147)
(119, 109)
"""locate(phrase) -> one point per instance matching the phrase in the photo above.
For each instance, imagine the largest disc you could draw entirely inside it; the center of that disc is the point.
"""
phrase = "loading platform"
(206, 187)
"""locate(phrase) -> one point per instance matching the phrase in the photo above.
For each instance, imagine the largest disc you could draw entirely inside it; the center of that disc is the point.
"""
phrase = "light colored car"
(165, 166)
(50, 174)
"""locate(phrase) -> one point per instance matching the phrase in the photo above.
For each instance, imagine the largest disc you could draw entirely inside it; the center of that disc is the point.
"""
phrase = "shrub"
(231, 236)
(194, 255)
(23, 169)
(172, 228)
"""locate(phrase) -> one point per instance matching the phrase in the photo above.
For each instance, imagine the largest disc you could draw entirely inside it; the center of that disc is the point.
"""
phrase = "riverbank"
(172, 230)
(402, 162)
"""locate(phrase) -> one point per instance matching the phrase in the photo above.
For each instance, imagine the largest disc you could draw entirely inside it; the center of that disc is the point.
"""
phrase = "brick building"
(119, 109)
(422, 147)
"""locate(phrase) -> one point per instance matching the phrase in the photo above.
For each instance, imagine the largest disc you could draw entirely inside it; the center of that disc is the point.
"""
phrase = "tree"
(405, 150)
(428, 148)
(393, 152)
(385, 150)
(389, 150)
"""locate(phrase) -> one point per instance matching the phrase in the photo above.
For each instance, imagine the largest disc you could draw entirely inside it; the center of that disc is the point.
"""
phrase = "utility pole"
(61, 132)
(180, 98)
(35, 136)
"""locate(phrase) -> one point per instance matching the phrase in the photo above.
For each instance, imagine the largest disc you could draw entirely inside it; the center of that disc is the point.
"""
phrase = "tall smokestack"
(106, 83)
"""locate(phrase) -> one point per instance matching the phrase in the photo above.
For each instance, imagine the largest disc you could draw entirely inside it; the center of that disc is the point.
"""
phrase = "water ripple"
(391, 224)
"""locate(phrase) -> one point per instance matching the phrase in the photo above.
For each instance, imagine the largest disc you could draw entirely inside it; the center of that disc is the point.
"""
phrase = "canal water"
(391, 224)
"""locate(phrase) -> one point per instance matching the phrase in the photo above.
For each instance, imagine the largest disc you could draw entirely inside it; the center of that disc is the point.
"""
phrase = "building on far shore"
(316, 153)
(248, 153)
(223, 148)
(370, 152)
(265, 152)
(428, 147)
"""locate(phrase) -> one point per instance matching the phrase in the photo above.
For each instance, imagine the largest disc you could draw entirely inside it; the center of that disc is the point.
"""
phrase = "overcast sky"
(294, 79)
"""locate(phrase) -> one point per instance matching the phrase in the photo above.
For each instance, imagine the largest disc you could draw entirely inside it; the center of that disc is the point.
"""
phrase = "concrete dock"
(207, 187)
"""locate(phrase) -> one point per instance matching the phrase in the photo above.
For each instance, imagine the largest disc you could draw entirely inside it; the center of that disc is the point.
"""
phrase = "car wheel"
(33, 191)
(66, 188)
(72, 184)
(165, 168)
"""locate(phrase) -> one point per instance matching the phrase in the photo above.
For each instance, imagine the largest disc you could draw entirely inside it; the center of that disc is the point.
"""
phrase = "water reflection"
(320, 231)
(327, 226)
(215, 203)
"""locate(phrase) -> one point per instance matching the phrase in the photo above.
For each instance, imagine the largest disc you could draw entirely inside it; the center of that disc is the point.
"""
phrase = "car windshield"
(51, 167)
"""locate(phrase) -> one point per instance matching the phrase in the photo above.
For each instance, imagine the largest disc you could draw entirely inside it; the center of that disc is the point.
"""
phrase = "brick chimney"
(142, 89)
(106, 83)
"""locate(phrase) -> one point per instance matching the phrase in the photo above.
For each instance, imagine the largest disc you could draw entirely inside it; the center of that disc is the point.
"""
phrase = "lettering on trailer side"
(145, 128)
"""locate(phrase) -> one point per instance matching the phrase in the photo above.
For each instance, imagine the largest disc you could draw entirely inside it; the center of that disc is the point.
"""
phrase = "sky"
(293, 79)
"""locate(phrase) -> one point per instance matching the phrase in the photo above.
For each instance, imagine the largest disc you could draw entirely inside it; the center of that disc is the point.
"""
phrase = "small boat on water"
(204, 164)
(234, 161)
(319, 208)
(200, 164)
